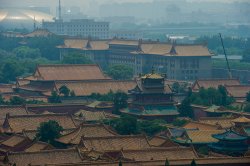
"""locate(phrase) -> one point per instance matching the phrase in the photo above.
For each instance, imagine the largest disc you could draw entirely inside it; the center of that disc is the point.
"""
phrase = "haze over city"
(124, 82)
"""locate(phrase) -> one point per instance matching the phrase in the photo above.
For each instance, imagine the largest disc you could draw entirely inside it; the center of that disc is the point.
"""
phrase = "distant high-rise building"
(79, 27)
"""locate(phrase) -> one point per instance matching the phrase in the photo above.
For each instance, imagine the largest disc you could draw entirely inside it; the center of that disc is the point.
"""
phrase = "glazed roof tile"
(86, 88)
(115, 143)
(86, 130)
(45, 157)
(69, 72)
(19, 123)
(159, 154)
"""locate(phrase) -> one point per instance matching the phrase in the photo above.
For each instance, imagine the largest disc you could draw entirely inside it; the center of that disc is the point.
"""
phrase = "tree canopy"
(64, 90)
(185, 108)
(120, 72)
(248, 97)
(120, 101)
(76, 58)
(27, 52)
(49, 131)
(211, 96)
(126, 125)
(54, 98)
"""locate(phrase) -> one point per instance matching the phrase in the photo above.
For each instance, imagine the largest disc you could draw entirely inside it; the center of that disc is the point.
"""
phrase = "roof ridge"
(65, 65)
(38, 115)
(159, 149)
(201, 123)
(214, 118)
(237, 85)
(216, 79)
(115, 137)
(45, 151)
(93, 80)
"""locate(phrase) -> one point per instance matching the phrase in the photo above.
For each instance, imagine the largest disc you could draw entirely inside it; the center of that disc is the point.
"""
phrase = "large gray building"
(79, 27)
(178, 61)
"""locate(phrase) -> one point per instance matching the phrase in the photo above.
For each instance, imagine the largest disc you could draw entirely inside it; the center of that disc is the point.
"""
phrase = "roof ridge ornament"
(139, 49)
(173, 50)
(88, 45)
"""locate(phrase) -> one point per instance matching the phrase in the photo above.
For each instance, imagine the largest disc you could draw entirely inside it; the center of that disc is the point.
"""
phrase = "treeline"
(19, 57)
(16, 100)
(233, 45)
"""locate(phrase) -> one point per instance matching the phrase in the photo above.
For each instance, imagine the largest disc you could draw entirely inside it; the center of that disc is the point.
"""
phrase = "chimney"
(60, 10)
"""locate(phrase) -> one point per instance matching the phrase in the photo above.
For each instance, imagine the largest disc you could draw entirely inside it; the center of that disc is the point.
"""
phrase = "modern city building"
(79, 27)
(178, 61)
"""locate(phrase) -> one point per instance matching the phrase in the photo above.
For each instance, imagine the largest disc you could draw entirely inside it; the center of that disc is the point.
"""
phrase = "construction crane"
(228, 66)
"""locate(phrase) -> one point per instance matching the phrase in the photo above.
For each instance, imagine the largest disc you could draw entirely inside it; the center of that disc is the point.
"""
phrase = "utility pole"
(228, 66)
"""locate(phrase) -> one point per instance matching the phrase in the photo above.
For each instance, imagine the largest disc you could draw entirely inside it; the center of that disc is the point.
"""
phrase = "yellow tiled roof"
(12, 110)
(13, 140)
(124, 42)
(115, 143)
(86, 88)
(6, 88)
(159, 141)
(200, 126)
(38, 146)
(164, 49)
(159, 154)
(45, 157)
(152, 76)
(214, 83)
(90, 115)
(241, 119)
(82, 44)
(238, 91)
(86, 130)
(69, 72)
(19, 123)
(203, 136)
(223, 122)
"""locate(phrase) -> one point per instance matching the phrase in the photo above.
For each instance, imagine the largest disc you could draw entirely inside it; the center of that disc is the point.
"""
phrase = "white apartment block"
(79, 27)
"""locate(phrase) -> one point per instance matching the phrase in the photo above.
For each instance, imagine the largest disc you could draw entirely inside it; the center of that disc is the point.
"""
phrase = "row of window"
(189, 71)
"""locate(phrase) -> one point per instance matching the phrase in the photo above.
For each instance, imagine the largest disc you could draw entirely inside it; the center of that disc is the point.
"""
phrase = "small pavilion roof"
(229, 135)
(241, 119)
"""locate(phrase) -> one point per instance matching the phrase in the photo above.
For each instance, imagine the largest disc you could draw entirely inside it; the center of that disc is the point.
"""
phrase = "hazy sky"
(53, 3)
(90, 7)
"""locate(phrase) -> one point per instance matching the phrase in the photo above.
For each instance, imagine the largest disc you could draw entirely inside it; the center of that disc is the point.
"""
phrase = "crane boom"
(228, 66)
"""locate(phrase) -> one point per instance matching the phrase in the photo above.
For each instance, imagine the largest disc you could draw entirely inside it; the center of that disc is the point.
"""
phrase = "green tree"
(176, 87)
(167, 162)
(54, 98)
(11, 70)
(120, 72)
(27, 52)
(126, 125)
(179, 122)
(248, 97)
(120, 163)
(47, 46)
(247, 108)
(203, 150)
(15, 100)
(246, 55)
(120, 101)
(76, 58)
(2, 102)
(49, 131)
(64, 90)
(72, 93)
(150, 127)
(193, 163)
(185, 108)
